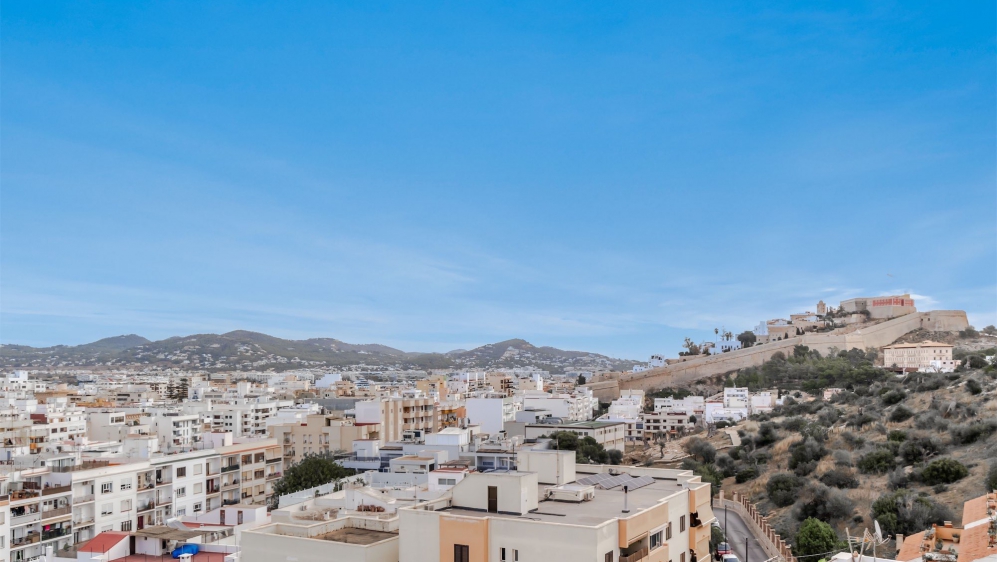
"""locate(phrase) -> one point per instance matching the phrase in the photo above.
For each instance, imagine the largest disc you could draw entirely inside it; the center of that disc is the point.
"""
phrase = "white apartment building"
(578, 406)
(491, 411)
(692, 405)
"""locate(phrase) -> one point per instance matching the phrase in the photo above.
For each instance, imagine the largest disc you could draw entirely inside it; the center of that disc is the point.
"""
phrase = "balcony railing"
(274, 476)
(146, 506)
(230, 468)
(272, 461)
(58, 512)
(55, 533)
(26, 517)
(16, 495)
(82, 499)
(25, 540)
(230, 502)
(52, 490)
(634, 556)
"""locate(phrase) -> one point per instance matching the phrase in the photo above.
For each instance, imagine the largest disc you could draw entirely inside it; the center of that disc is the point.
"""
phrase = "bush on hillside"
(892, 397)
(745, 474)
(897, 435)
(943, 471)
(897, 478)
(840, 478)
(974, 387)
(842, 457)
(900, 414)
(878, 461)
(973, 432)
(701, 449)
(906, 512)
(919, 449)
(767, 435)
(991, 483)
(804, 455)
(782, 488)
(820, 502)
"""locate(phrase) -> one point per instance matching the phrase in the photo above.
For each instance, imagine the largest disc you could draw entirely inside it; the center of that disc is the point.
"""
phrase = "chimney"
(626, 507)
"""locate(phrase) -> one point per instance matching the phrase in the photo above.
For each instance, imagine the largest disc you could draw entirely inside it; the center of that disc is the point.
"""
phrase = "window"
(107, 529)
(106, 487)
(107, 509)
(682, 557)
(198, 488)
(126, 505)
(126, 484)
(181, 492)
(181, 472)
(181, 512)
(668, 531)
(657, 539)
(513, 552)
(609, 557)
(682, 523)
(197, 507)
(448, 481)
(198, 468)
(126, 525)
(460, 553)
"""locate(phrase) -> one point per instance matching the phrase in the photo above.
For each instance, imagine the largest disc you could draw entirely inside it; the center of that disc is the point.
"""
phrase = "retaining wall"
(768, 539)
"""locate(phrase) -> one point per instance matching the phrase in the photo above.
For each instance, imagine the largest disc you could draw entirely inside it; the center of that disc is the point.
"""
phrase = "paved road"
(736, 531)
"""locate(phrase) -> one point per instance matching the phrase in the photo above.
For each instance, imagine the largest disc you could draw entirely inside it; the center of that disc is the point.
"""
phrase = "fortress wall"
(875, 336)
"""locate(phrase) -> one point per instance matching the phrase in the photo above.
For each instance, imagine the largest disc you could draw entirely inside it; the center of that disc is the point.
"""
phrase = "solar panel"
(595, 479)
(640, 482)
(614, 482)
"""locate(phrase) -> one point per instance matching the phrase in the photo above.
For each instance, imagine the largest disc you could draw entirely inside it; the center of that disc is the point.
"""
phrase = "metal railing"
(58, 512)
(634, 556)
(230, 468)
(52, 490)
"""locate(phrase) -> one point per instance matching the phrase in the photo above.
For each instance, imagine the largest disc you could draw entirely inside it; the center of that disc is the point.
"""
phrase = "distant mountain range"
(252, 351)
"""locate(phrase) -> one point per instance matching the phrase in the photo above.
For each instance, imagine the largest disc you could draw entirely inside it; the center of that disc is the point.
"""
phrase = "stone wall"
(876, 336)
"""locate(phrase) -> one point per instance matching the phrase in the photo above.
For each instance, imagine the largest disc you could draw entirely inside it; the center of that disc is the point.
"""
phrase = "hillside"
(244, 350)
(905, 451)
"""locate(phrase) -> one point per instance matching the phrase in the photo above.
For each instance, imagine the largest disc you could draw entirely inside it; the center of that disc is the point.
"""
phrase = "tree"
(581, 380)
(747, 338)
(991, 483)
(313, 470)
(783, 488)
(690, 348)
(990, 330)
(814, 537)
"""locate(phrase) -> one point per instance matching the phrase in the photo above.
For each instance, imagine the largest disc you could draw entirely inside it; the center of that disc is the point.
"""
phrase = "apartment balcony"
(274, 461)
(148, 506)
(55, 490)
(213, 488)
(77, 500)
(230, 468)
(55, 533)
(25, 518)
(83, 522)
(274, 475)
(29, 539)
(634, 556)
(229, 502)
(58, 512)
(213, 471)
(146, 486)
(232, 484)
(21, 495)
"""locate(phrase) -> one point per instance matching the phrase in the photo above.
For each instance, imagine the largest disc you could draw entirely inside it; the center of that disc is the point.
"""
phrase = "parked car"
(729, 558)
(723, 549)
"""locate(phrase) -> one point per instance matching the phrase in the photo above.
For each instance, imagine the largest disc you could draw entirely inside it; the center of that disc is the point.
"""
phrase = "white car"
(729, 558)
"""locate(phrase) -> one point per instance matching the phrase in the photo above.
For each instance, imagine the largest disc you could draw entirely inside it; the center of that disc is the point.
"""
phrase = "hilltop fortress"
(868, 323)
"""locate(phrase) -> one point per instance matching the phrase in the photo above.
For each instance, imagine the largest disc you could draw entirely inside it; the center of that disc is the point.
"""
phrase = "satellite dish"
(879, 532)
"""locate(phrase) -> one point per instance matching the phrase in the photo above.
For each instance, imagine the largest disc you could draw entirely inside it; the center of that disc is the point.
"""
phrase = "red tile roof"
(103, 542)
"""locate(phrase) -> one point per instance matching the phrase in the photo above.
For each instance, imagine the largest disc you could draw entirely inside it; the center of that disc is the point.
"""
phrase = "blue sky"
(602, 176)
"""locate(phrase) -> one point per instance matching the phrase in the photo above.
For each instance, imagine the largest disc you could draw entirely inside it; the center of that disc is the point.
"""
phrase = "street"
(736, 532)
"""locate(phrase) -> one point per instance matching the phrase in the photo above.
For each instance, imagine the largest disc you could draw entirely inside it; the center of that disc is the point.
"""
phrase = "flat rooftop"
(352, 535)
(606, 506)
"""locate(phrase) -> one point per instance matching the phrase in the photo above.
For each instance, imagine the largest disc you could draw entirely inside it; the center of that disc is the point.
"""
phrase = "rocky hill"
(244, 350)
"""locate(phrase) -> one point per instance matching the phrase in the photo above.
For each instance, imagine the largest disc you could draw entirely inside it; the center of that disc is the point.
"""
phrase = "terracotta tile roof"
(103, 542)
(911, 548)
(974, 544)
(974, 510)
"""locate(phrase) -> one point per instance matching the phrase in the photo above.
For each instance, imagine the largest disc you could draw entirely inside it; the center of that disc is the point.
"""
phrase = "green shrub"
(919, 449)
(804, 455)
(943, 471)
(839, 478)
(991, 483)
(973, 387)
(820, 502)
(782, 488)
(745, 474)
(878, 461)
(897, 435)
(893, 397)
(814, 538)
(901, 413)
(970, 433)
(904, 511)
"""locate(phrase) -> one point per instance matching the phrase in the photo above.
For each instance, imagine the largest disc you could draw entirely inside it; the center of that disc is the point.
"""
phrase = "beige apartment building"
(664, 516)
(244, 473)
(927, 356)
(320, 434)
(399, 416)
